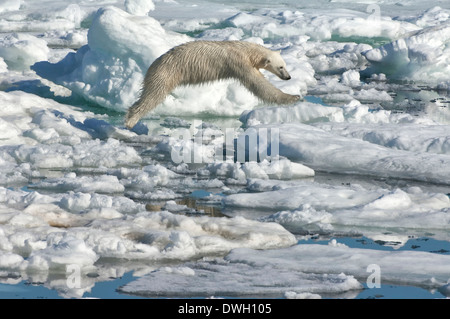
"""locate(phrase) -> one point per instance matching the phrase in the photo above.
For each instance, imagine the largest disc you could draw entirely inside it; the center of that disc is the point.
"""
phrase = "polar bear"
(199, 62)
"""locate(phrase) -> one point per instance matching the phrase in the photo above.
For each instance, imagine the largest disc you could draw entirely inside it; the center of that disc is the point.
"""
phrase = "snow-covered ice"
(364, 157)
(272, 272)
(237, 280)
(315, 147)
(421, 56)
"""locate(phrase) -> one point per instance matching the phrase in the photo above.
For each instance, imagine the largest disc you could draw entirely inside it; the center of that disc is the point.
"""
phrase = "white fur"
(206, 61)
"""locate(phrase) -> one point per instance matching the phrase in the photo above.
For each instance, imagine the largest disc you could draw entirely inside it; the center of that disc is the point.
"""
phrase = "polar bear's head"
(274, 63)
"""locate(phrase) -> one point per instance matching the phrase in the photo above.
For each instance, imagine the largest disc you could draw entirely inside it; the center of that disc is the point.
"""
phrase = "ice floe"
(366, 155)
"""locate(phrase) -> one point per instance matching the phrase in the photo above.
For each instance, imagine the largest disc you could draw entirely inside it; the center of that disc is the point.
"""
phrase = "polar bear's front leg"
(264, 90)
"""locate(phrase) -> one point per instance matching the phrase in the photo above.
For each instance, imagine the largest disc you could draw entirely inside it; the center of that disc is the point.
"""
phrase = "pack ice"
(78, 191)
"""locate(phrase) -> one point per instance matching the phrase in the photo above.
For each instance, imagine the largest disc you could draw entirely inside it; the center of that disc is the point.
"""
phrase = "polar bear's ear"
(266, 62)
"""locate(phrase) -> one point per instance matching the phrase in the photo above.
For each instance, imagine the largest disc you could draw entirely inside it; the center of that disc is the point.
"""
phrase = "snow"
(406, 136)
(237, 279)
(163, 235)
(293, 271)
(323, 26)
(110, 69)
(335, 259)
(139, 7)
(422, 56)
(20, 51)
(67, 251)
(316, 207)
(365, 155)
(314, 147)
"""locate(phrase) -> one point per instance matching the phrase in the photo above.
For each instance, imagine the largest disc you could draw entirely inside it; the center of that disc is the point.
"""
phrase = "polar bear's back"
(204, 61)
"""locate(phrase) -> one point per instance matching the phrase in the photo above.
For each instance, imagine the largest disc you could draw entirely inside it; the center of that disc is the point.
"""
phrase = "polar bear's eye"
(281, 68)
